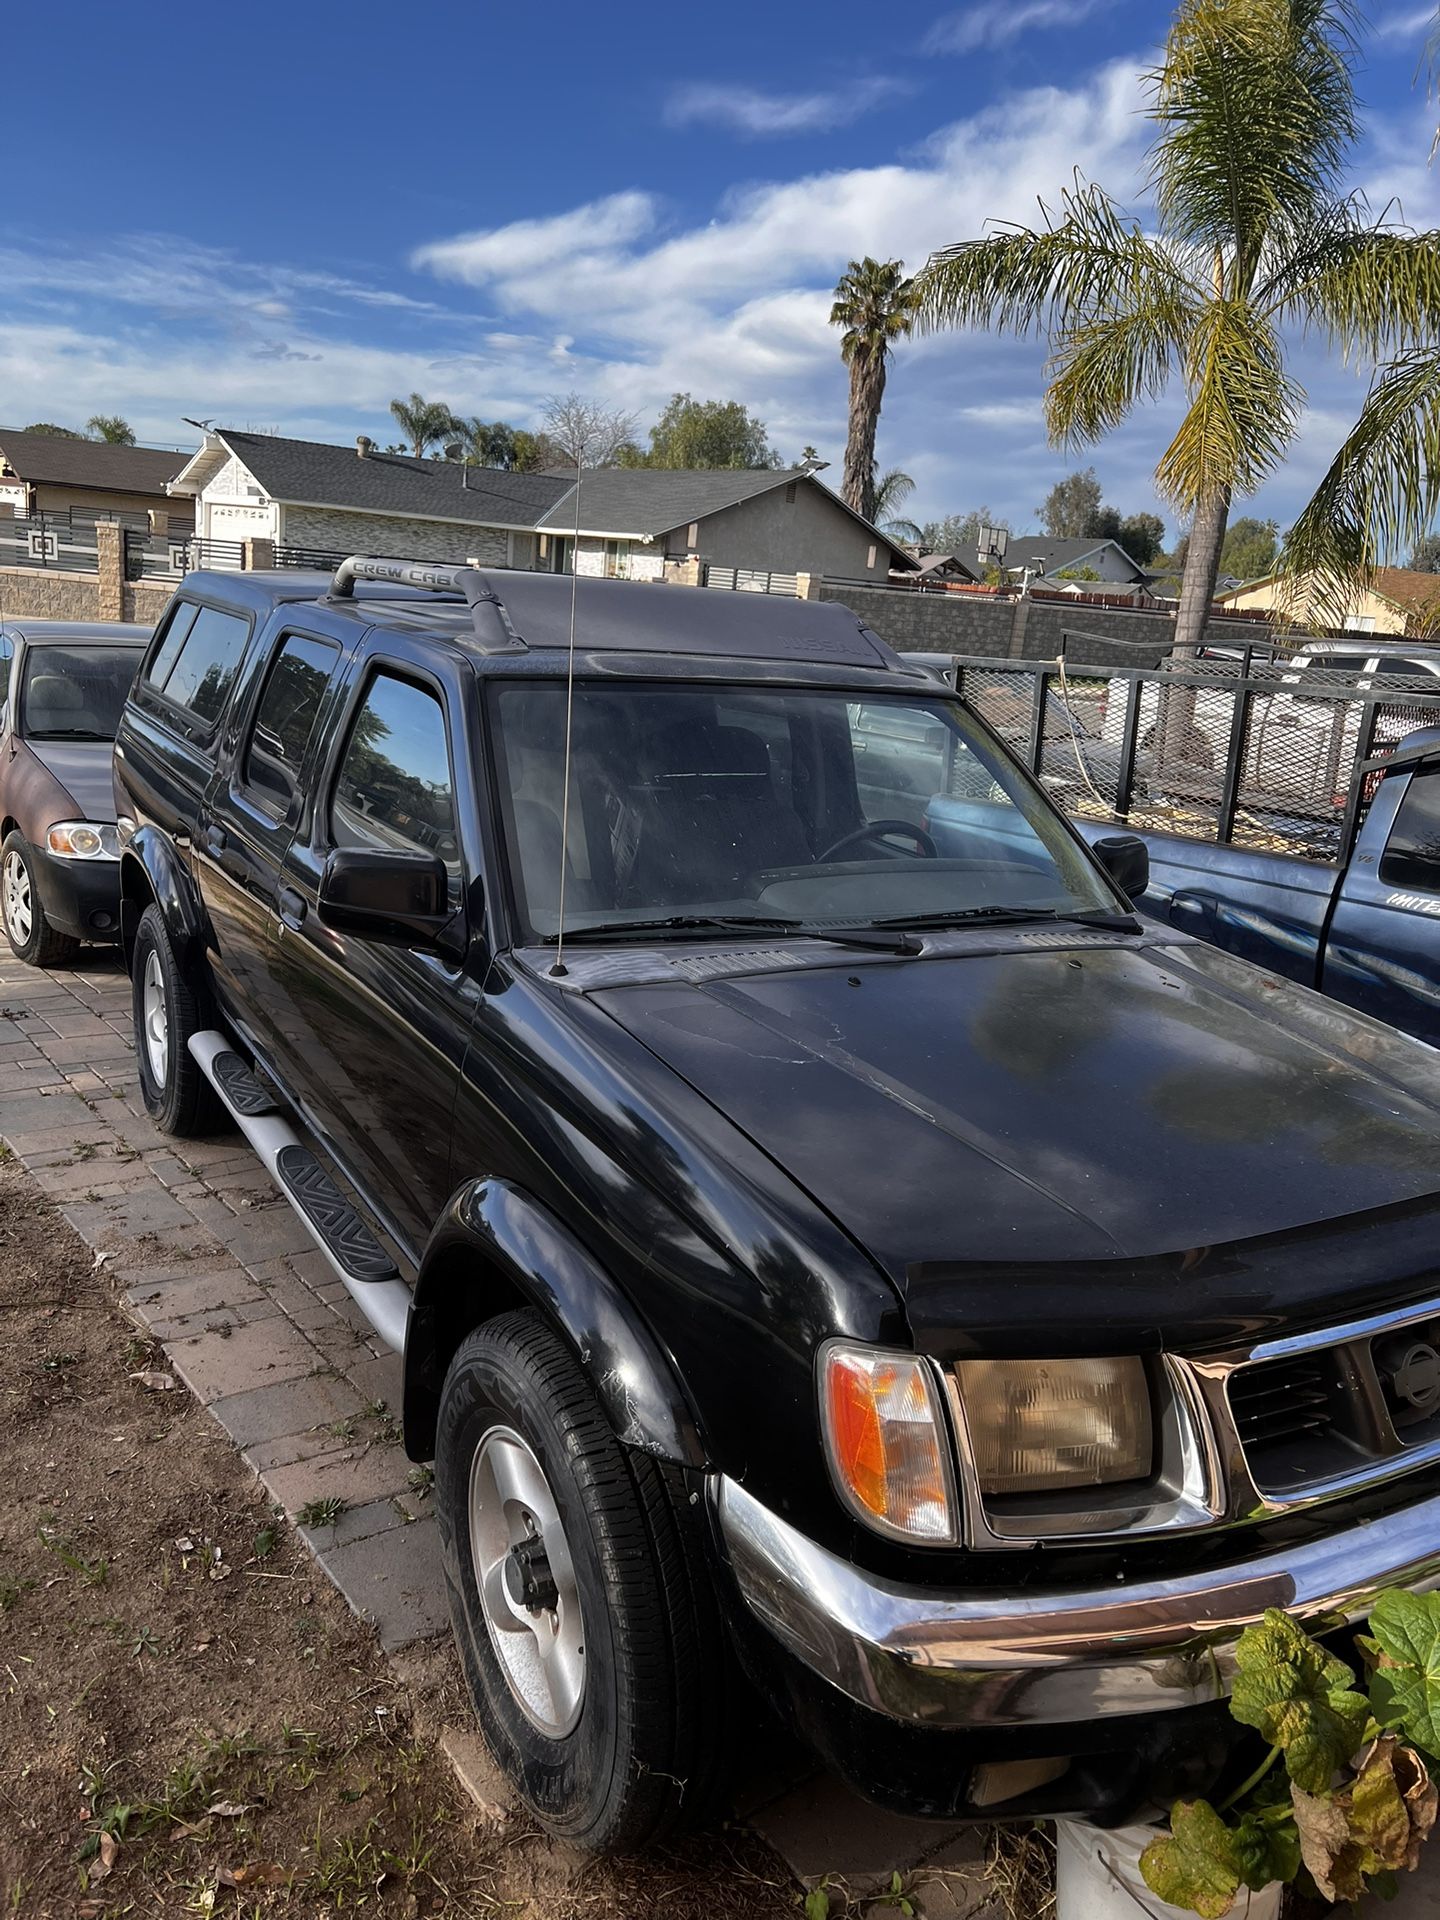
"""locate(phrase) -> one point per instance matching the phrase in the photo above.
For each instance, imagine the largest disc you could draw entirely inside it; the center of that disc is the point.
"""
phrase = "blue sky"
(282, 219)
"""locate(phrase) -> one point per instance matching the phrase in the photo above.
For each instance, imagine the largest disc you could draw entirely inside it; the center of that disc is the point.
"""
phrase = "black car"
(62, 685)
(908, 1275)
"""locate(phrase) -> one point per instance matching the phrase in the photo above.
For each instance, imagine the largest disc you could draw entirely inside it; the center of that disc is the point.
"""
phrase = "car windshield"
(75, 693)
(772, 807)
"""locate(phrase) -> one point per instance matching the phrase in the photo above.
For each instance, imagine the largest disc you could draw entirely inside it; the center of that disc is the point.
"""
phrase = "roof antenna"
(559, 969)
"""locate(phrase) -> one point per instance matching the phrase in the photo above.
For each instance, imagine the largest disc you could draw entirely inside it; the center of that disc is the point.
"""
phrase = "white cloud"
(527, 245)
(759, 115)
(993, 23)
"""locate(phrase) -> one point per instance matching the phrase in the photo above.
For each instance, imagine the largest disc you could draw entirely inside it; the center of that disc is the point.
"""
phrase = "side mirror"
(1126, 858)
(401, 899)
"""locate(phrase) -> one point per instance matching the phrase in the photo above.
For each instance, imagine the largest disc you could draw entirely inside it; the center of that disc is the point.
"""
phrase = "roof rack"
(493, 630)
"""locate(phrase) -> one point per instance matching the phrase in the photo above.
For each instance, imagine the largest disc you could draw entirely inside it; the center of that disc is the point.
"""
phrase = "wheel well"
(136, 894)
(8, 826)
(462, 1290)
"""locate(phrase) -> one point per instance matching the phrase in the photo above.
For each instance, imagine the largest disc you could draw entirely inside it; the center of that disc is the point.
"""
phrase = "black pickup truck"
(967, 1304)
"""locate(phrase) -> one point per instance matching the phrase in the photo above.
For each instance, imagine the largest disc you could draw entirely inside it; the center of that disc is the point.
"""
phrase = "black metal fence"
(1272, 755)
(156, 556)
(49, 541)
(315, 559)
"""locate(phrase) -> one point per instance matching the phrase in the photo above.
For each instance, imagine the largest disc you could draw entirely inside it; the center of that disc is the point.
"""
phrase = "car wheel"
(167, 1010)
(31, 936)
(581, 1596)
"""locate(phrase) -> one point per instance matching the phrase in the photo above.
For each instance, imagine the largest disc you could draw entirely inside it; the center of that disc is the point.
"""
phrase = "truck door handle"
(213, 840)
(292, 908)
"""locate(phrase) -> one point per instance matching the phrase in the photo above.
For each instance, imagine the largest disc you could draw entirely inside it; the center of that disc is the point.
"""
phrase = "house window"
(692, 534)
(617, 559)
(870, 557)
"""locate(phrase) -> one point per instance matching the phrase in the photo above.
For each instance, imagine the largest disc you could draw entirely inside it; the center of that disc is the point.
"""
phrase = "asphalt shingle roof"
(654, 499)
(44, 459)
(309, 473)
(1034, 549)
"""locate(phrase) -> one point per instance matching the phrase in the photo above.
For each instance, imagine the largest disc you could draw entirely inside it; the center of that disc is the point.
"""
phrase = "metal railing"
(749, 580)
(49, 541)
(1271, 758)
(313, 559)
(158, 556)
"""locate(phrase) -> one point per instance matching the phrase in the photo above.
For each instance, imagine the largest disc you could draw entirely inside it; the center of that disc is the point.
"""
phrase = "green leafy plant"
(1344, 1792)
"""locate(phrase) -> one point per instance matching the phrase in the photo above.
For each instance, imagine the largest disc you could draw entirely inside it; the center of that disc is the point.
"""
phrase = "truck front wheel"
(580, 1594)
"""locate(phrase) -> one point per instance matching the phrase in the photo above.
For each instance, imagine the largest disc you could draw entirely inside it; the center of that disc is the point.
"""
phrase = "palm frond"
(1381, 492)
(1085, 263)
(1373, 289)
(1256, 102)
(1099, 370)
(1243, 408)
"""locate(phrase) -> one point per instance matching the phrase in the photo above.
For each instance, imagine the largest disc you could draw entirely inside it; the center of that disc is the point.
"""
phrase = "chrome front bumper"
(1030, 1657)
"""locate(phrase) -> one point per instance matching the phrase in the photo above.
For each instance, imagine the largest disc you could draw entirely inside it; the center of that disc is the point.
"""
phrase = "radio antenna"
(559, 968)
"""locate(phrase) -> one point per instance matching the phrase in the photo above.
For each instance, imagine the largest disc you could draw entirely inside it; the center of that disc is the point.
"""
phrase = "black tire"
(41, 946)
(647, 1751)
(179, 1099)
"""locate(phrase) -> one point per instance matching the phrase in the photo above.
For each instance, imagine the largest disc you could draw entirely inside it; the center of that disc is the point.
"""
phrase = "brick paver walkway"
(214, 1263)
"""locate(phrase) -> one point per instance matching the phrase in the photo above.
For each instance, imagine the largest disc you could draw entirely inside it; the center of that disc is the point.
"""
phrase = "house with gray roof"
(1058, 563)
(624, 522)
(46, 473)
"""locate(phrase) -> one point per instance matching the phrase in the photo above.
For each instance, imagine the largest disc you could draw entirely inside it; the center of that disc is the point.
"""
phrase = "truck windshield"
(771, 805)
(75, 693)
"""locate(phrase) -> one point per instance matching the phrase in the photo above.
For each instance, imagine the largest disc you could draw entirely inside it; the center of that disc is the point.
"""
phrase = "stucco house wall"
(771, 533)
(1365, 610)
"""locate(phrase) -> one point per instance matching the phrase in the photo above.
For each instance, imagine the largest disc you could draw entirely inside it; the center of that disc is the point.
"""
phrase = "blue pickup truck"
(1365, 930)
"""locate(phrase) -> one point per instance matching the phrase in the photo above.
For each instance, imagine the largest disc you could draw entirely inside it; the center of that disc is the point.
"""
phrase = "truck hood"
(82, 767)
(1083, 1102)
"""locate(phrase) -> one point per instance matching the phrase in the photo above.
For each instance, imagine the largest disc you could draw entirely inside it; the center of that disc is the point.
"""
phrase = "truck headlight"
(1044, 1426)
(887, 1442)
(83, 840)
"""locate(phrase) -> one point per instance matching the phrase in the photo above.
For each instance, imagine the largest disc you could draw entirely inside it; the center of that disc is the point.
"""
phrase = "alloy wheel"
(19, 908)
(155, 1020)
(526, 1581)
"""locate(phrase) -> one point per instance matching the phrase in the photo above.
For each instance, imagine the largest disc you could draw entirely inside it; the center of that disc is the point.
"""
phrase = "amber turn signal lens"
(887, 1443)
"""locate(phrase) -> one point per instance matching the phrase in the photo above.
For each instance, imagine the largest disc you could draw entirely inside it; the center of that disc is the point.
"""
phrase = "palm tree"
(423, 422)
(875, 304)
(892, 490)
(1256, 111)
(111, 428)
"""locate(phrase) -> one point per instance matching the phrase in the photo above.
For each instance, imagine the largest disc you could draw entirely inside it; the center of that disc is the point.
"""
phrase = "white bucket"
(1097, 1877)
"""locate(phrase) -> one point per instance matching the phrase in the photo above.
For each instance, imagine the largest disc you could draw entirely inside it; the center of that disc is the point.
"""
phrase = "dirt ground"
(191, 1721)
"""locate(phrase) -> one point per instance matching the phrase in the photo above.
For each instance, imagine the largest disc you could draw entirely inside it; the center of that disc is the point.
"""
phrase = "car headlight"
(887, 1442)
(1042, 1426)
(82, 840)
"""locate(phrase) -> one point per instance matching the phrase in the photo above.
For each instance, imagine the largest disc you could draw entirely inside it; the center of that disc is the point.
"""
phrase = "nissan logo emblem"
(1415, 1377)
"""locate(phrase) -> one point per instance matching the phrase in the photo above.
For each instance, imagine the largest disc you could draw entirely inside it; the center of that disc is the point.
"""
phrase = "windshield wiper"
(871, 935)
(69, 733)
(999, 915)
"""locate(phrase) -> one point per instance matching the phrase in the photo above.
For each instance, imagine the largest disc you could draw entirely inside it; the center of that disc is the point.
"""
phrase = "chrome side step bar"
(383, 1299)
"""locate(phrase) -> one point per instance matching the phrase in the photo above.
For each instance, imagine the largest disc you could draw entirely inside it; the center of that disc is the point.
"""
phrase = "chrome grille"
(1318, 1415)
(1285, 1401)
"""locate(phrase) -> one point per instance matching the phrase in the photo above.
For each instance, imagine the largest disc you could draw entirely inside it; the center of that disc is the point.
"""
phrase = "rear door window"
(197, 670)
(285, 719)
(1412, 853)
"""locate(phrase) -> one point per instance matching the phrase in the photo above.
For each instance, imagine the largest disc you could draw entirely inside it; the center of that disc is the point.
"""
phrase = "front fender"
(151, 869)
(498, 1248)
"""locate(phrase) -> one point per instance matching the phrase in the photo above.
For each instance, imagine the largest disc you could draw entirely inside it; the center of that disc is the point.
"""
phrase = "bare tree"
(587, 433)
